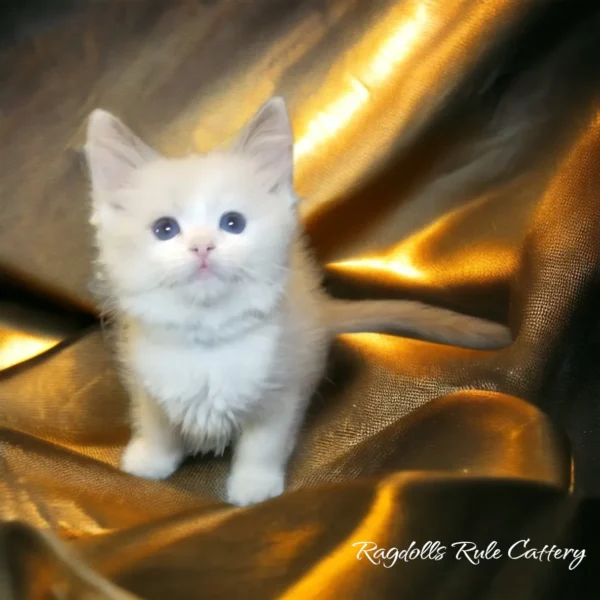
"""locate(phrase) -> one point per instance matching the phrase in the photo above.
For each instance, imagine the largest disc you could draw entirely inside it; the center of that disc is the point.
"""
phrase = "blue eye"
(232, 222)
(165, 228)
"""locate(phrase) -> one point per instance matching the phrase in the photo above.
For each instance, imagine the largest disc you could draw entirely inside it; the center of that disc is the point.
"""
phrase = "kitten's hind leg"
(262, 451)
(155, 449)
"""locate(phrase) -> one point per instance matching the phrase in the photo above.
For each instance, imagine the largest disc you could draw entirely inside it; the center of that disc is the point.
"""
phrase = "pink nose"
(202, 249)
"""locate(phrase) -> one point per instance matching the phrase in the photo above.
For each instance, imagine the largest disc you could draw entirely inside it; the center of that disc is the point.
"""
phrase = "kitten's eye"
(165, 228)
(233, 222)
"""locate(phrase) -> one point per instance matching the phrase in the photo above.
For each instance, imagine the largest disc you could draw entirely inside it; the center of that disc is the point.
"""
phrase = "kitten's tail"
(404, 316)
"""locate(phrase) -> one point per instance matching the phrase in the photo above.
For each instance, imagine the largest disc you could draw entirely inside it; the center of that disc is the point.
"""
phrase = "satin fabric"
(446, 151)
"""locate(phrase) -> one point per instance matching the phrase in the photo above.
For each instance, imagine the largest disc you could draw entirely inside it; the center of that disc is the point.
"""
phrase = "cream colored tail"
(427, 322)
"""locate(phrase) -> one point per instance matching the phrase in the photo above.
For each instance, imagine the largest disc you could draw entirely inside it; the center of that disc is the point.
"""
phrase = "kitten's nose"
(202, 249)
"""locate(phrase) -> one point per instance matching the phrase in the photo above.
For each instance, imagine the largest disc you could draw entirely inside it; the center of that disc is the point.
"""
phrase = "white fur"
(233, 356)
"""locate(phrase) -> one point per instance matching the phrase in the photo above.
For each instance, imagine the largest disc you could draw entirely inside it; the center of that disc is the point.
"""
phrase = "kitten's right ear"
(113, 151)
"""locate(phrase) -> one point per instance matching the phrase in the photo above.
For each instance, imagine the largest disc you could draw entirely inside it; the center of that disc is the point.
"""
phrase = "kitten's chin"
(205, 287)
(204, 273)
(197, 275)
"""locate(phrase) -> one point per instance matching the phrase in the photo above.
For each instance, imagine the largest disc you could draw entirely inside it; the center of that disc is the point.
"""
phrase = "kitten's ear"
(113, 151)
(269, 140)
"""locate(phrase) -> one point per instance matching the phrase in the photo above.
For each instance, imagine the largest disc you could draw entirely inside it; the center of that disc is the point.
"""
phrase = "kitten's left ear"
(113, 151)
(268, 139)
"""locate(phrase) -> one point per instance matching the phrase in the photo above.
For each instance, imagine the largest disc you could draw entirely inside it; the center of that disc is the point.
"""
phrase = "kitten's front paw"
(150, 462)
(250, 486)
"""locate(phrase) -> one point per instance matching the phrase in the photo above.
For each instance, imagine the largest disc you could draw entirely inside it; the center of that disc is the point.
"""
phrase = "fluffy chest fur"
(208, 381)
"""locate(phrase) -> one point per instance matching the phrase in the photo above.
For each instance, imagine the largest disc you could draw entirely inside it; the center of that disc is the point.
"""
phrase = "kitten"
(222, 324)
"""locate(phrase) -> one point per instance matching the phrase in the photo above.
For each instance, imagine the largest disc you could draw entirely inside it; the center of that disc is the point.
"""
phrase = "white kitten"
(223, 327)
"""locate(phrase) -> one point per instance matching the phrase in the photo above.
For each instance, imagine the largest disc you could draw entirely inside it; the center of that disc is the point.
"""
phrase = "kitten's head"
(203, 223)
